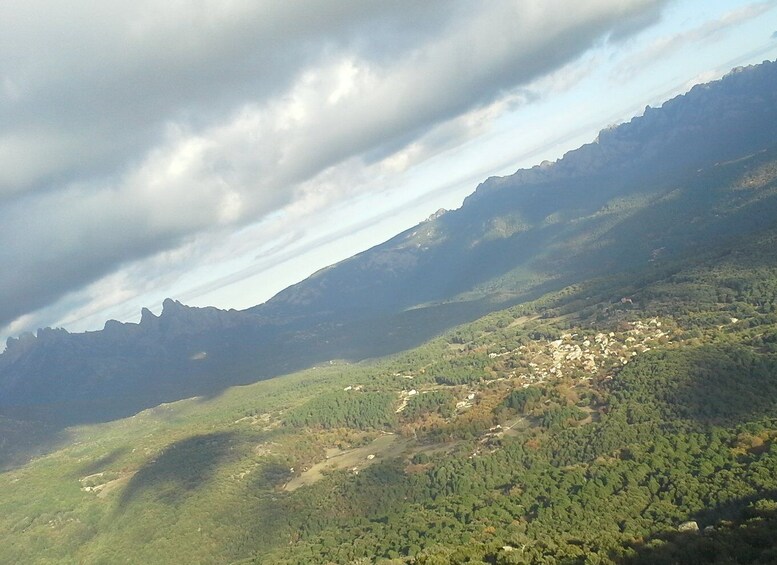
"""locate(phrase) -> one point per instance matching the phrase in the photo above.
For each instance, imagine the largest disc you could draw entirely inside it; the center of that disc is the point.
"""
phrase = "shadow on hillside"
(102, 463)
(122, 379)
(712, 384)
(750, 539)
(290, 351)
(728, 384)
(179, 470)
(21, 441)
(239, 358)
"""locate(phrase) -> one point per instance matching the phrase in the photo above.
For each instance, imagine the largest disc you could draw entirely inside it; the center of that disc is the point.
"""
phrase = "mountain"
(577, 428)
(546, 221)
(690, 175)
(621, 410)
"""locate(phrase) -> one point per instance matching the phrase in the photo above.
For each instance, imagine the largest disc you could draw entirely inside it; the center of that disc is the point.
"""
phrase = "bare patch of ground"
(385, 446)
(91, 483)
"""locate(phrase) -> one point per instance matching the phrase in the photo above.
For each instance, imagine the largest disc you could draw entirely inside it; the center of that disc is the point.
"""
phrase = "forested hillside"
(626, 419)
(579, 366)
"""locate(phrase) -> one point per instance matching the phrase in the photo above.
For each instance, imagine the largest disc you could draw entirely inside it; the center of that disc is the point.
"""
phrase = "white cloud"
(710, 30)
(131, 130)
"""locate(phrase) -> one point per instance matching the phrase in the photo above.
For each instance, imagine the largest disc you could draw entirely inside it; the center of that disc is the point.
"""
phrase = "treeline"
(434, 402)
(689, 434)
(461, 370)
(687, 431)
(345, 409)
(679, 434)
(522, 400)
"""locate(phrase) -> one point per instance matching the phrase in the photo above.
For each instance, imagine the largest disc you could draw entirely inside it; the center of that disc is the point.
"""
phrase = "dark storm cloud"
(98, 80)
(129, 128)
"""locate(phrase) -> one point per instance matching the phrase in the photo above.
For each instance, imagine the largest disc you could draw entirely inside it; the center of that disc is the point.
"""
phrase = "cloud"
(132, 130)
(118, 71)
(708, 31)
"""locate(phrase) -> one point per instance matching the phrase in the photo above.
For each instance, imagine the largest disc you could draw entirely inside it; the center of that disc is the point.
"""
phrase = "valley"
(560, 393)
(578, 366)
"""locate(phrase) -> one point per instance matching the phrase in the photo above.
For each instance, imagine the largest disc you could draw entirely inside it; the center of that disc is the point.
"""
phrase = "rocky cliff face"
(529, 218)
(713, 122)
(126, 364)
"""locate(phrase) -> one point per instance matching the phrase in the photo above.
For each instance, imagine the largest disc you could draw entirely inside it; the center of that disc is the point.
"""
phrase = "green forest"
(578, 428)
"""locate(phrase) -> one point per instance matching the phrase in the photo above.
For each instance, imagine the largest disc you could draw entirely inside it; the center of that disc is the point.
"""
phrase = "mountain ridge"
(726, 136)
(608, 145)
(640, 192)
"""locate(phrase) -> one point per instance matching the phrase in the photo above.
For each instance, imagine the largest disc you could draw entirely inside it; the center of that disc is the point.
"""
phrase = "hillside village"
(573, 364)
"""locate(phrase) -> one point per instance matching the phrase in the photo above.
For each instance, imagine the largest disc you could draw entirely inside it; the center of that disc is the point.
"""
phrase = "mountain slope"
(576, 428)
(537, 219)
(692, 174)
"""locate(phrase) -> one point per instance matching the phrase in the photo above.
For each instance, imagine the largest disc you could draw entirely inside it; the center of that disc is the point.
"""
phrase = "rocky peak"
(27, 343)
(736, 113)
(438, 214)
(147, 317)
(51, 334)
(112, 325)
(172, 307)
(18, 345)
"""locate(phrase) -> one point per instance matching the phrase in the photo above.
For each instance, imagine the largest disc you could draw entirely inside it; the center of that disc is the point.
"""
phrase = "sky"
(217, 151)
